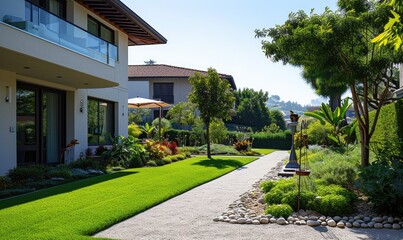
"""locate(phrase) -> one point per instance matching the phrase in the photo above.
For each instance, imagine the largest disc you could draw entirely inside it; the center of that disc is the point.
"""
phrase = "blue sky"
(220, 34)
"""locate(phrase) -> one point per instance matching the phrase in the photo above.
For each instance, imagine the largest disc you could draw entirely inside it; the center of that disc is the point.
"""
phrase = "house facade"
(63, 76)
(164, 82)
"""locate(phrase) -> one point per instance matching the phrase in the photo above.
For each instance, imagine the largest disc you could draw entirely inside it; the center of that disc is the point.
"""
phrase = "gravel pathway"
(189, 215)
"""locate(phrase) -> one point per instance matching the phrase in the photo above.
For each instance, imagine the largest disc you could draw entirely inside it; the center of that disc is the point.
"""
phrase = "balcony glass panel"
(44, 24)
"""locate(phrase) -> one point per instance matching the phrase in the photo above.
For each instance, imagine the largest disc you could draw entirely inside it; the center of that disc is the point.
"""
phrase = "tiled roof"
(168, 71)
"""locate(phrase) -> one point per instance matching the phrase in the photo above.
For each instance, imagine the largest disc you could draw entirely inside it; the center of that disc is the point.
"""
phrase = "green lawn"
(263, 151)
(79, 209)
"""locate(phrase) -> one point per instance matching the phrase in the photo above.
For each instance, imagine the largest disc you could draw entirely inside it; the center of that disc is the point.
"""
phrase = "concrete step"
(286, 174)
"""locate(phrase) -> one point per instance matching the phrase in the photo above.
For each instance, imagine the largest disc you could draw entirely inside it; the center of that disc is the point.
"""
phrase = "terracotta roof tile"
(168, 71)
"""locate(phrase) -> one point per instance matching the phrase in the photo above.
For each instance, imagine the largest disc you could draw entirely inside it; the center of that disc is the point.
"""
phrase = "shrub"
(5, 183)
(151, 163)
(318, 133)
(279, 210)
(88, 163)
(166, 160)
(291, 198)
(242, 145)
(281, 140)
(29, 173)
(266, 186)
(62, 171)
(89, 152)
(174, 158)
(323, 190)
(335, 168)
(218, 132)
(331, 205)
(99, 150)
(159, 162)
(382, 184)
(134, 130)
(156, 150)
(135, 162)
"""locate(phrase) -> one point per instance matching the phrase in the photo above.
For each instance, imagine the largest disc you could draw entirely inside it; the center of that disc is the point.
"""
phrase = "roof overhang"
(138, 30)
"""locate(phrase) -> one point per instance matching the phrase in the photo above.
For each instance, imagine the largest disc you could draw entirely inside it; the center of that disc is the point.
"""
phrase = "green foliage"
(324, 189)
(5, 183)
(272, 128)
(279, 210)
(251, 108)
(148, 129)
(123, 151)
(29, 173)
(134, 130)
(152, 163)
(268, 185)
(218, 131)
(88, 163)
(183, 113)
(383, 184)
(291, 198)
(335, 168)
(387, 150)
(156, 150)
(135, 115)
(166, 160)
(331, 205)
(281, 140)
(389, 127)
(318, 133)
(165, 123)
(62, 171)
(213, 97)
(218, 149)
(277, 118)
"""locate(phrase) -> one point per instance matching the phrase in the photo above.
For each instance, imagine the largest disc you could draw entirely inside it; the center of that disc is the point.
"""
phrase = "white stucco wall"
(139, 89)
(8, 141)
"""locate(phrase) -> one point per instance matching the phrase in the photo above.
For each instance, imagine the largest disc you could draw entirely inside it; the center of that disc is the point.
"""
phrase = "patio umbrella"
(139, 102)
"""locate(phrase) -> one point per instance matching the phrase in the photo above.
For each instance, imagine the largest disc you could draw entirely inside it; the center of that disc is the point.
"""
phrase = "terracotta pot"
(303, 172)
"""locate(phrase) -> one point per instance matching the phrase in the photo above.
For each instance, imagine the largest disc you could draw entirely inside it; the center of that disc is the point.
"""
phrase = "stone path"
(189, 215)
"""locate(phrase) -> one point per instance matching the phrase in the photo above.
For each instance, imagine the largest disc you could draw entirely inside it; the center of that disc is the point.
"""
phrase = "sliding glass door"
(40, 125)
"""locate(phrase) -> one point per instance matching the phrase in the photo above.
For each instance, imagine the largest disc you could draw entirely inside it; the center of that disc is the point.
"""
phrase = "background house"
(63, 71)
(164, 82)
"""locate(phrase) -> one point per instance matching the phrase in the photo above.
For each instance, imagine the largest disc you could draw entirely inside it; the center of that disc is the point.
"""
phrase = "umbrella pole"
(159, 125)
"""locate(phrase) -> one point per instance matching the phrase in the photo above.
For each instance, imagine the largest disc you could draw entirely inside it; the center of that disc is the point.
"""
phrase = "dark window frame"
(108, 141)
(164, 91)
(44, 4)
(99, 27)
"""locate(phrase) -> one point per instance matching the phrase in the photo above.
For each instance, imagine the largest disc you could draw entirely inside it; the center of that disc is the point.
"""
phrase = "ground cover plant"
(76, 210)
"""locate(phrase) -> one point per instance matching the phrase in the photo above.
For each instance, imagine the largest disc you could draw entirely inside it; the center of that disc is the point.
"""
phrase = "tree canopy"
(213, 97)
(336, 47)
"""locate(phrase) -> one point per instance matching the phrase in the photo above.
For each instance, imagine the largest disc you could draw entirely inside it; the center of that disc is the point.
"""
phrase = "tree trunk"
(334, 101)
(364, 139)
(208, 139)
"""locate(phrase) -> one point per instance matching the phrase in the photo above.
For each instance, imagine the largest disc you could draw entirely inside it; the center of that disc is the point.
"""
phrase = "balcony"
(45, 25)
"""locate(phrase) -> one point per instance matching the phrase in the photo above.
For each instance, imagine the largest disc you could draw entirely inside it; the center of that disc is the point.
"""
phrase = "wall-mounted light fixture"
(81, 106)
(123, 110)
(8, 94)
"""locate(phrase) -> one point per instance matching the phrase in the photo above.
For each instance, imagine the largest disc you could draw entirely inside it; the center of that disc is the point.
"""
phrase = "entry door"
(40, 125)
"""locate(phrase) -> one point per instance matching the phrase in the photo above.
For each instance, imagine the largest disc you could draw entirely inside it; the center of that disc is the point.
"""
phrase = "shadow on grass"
(219, 163)
(60, 189)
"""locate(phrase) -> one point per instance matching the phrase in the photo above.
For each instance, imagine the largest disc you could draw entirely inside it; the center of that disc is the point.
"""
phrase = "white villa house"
(63, 76)
(164, 82)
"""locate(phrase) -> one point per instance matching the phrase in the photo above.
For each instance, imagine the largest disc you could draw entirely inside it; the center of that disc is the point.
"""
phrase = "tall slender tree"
(213, 97)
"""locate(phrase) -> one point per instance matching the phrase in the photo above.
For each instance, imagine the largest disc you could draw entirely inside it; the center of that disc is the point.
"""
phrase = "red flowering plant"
(242, 146)
(156, 150)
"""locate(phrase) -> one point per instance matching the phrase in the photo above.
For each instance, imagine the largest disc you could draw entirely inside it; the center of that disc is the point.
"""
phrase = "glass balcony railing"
(44, 24)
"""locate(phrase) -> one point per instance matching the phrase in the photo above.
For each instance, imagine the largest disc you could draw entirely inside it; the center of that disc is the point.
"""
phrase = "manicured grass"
(263, 151)
(77, 210)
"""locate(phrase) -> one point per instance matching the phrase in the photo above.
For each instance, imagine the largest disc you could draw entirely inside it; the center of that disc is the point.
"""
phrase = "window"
(99, 30)
(57, 7)
(164, 92)
(100, 122)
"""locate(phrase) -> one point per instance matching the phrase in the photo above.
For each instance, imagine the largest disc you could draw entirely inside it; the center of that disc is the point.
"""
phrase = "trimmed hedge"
(390, 123)
(280, 140)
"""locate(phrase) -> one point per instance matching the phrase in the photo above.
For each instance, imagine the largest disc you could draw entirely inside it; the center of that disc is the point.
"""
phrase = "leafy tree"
(213, 97)
(277, 118)
(337, 47)
(393, 29)
(136, 114)
(251, 108)
(183, 113)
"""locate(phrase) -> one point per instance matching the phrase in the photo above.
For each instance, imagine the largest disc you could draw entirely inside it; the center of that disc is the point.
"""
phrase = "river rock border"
(249, 209)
